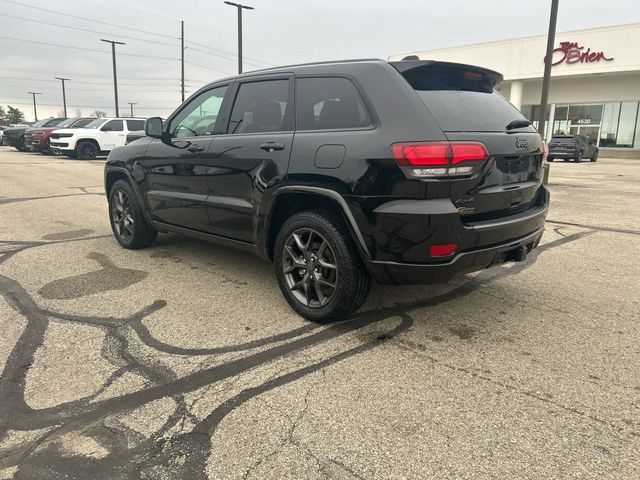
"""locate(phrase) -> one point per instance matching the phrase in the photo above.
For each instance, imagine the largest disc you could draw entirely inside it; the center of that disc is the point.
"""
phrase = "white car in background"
(98, 137)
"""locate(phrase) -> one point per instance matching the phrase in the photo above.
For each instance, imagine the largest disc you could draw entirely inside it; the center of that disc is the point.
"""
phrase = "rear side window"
(260, 107)
(328, 103)
(462, 99)
(135, 125)
(113, 126)
(81, 123)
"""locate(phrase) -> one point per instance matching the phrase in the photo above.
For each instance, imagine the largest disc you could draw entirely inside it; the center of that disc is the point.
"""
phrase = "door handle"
(272, 146)
(195, 148)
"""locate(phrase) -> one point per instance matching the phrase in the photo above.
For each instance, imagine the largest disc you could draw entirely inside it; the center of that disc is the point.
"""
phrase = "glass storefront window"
(627, 124)
(610, 117)
(585, 114)
(560, 122)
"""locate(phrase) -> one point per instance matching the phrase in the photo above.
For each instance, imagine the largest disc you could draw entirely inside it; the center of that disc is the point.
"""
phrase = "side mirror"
(153, 127)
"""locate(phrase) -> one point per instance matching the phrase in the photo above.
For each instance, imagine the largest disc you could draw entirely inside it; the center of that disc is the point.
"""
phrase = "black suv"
(407, 172)
(577, 147)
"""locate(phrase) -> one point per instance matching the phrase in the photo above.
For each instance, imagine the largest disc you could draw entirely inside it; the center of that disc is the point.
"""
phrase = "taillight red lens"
(461, 152)
(442, 249)
(415, 154)
(418, 155)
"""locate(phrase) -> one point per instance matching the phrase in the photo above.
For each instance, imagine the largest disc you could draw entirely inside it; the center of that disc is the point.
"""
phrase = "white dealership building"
(595, 81)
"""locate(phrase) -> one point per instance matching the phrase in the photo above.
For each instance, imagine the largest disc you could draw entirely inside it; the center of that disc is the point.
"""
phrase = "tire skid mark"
(80, 415)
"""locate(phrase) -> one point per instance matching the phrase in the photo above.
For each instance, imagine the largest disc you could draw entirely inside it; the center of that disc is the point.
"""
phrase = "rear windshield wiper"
(520, 123)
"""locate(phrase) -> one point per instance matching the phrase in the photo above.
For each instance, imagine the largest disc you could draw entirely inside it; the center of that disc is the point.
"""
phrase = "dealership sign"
(571, 52)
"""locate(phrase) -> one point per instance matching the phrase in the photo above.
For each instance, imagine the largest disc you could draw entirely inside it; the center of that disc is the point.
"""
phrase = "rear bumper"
(392, 273)
(403, 256)
(561, 154)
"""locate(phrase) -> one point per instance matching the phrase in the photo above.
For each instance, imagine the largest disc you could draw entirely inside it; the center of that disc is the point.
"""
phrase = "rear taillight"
(439, 159)
(442, 249)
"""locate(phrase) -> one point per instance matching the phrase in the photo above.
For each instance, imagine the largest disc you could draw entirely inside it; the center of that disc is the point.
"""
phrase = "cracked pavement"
(182, 361)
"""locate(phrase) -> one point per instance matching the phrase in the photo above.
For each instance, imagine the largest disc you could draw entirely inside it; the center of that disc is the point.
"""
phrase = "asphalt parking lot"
(183, 361)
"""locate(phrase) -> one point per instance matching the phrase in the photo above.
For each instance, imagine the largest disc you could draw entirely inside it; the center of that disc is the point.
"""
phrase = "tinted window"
(113, 126)
(199, 116)
(135, 125)
(53, 122)
(462, 99)
(260, 107)
(96, 123)
(329, 103)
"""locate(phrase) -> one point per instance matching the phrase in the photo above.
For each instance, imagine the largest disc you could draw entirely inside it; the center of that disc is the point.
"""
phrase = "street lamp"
(35, 110)
(240, 7)
(115, 77)
(64, 95)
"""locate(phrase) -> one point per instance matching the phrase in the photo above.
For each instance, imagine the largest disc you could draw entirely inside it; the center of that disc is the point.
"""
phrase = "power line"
(208, 68)
(155, 42)
(89, 19)
(91, 83)
(261, 64)
(231, 54)
(173, 107)
(173, 79)
(82, 48)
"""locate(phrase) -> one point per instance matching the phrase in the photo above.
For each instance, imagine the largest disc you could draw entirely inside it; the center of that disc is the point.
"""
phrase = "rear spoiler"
(458, 72)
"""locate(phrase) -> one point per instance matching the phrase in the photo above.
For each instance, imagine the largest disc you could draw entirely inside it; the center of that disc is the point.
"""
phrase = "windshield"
(95, 123)
(66, 123)
(41, 123)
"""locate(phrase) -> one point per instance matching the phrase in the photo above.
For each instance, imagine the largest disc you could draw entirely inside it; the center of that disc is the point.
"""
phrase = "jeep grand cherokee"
(339, 172)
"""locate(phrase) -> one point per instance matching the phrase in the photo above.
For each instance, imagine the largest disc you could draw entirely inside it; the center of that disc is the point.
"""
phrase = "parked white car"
(97, 137)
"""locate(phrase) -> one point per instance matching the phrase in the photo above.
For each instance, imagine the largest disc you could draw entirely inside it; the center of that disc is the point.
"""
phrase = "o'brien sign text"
(571, 52)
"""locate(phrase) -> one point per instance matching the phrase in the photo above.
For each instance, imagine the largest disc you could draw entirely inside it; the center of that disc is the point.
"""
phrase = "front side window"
(326, 103)
(135, 125)
(113, 126)
(199, 117)
(260, 107)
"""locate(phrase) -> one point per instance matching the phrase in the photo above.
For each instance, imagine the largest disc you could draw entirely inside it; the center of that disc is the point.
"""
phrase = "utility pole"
(240, 7)
(182, 57)
(35, 110)
(551, 40)
(131, 104)
(64, 95)
(115, 76)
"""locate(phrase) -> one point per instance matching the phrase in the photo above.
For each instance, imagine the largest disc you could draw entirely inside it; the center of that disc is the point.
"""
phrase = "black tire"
(351, 280)
(129, 225)
(87, 150)
(549, 159)
(594, 157)
(578, 158)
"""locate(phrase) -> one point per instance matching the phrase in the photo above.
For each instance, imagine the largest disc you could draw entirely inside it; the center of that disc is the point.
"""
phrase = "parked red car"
(37, 139)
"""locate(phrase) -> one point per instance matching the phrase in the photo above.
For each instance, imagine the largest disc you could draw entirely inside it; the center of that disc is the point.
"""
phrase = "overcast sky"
(277, 32)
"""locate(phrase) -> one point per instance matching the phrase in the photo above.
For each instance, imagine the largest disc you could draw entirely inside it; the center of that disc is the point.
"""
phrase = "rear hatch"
(463, 101)
(563, 143)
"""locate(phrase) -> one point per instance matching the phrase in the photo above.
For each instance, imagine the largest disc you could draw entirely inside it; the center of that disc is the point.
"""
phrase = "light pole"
(64, 95)
(35, 110)
(239, 7)
(182, 59)
(115, 76)
(551, 40)
(131, 104)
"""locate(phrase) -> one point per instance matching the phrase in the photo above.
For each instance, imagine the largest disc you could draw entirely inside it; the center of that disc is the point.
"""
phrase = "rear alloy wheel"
(128, 223)
(579, 157)
(318, 267)
(594, 158)
(86, 150)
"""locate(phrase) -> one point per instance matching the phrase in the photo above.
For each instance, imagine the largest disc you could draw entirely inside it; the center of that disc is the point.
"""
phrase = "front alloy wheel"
(309, 267)
(122, 216)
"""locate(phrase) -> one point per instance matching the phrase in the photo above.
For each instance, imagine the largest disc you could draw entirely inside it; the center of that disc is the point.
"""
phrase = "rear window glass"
(326, 103)
(135, 125)
(462, 100)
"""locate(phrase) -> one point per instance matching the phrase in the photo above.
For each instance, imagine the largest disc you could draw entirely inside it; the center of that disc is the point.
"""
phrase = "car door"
(252, 156)
(176, 173)
(112, 135)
